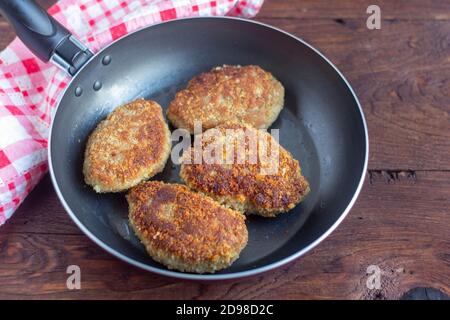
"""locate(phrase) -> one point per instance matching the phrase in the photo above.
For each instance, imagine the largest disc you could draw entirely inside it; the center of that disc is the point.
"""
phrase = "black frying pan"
(322, 124)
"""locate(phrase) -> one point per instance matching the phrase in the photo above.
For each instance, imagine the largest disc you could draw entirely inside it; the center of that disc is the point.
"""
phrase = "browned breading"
(265, 187)
(228, 93)
(131, 145)
(185, 230)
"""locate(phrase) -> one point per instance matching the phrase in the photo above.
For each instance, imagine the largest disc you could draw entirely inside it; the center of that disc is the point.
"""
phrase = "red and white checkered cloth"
(30, 89)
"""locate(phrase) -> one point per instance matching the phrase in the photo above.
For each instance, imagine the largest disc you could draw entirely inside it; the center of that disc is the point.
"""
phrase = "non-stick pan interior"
(321, 125)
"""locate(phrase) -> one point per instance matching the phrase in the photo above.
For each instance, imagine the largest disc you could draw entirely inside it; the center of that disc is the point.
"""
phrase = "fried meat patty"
(228, 93)
(184, 230)
(250, 178)
(131, 145)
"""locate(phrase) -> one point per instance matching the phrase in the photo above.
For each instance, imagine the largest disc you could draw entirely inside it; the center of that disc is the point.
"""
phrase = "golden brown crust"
(132, 144)
(185, 230)
(265, 187)
(228, 93)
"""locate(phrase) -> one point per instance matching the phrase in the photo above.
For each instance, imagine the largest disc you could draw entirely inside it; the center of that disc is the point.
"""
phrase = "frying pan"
(322, 124)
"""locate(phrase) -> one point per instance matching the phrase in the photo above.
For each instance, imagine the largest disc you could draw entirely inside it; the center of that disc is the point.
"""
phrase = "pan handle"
(45, 36)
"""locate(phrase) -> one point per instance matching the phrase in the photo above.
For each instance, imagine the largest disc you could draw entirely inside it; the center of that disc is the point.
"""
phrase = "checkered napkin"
(30, 89)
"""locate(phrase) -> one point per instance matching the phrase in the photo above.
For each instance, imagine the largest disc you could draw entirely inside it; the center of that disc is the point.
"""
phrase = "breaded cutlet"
(262, 185)
(228, 93)
(131, 145)
(184, 230)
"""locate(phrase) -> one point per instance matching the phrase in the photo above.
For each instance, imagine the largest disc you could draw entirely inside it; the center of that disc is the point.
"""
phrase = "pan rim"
(227, 276)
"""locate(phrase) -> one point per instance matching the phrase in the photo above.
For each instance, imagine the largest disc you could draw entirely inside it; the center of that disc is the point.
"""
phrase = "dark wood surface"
(401, 221)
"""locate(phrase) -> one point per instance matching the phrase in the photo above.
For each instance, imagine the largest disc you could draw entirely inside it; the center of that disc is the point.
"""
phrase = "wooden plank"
(401, 75)
(402, 81)
(41, 213)
(400, 223)
(7, 33)
(356, 9)
(347, 9)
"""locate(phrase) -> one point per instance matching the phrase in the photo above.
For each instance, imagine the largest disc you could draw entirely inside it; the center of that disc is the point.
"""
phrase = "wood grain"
(6, 32)
(322, 9)
(400, 222)
(401, 75)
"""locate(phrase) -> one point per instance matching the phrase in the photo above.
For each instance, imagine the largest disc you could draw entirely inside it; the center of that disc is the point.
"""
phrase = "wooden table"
(401, 221)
